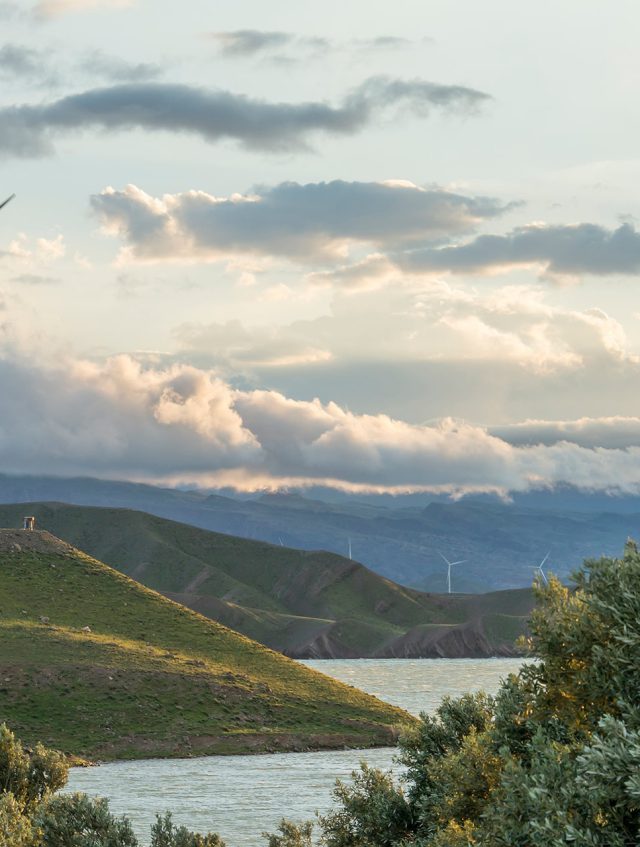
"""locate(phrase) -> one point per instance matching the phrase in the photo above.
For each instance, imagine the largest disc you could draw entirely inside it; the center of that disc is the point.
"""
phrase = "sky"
(381, 247)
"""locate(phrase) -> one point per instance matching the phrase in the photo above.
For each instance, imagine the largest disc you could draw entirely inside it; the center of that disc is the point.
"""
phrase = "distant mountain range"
(401, 539)
(95, 664)
(302, 603)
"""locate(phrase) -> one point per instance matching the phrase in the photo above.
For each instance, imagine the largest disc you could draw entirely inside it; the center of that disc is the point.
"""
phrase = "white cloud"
(435, 321)
(429, 350)
(33, 252)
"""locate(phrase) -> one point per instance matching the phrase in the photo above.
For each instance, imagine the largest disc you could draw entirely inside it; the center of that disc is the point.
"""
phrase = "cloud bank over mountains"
(29, 130)
(126, 419)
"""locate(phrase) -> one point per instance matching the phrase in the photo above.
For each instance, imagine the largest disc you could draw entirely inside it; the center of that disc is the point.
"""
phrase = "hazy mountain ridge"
(502, 543)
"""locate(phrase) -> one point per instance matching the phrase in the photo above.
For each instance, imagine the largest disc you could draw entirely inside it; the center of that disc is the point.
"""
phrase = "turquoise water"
(242, 796)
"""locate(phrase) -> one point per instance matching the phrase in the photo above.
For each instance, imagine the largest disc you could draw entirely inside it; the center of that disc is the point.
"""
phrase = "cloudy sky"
(387, 247)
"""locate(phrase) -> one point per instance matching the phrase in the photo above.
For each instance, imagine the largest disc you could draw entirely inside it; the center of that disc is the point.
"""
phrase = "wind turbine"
(449, 566)
(540, 571)
(4, 203)
(349, 548)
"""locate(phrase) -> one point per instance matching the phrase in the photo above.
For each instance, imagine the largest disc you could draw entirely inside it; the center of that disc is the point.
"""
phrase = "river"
(242, 796)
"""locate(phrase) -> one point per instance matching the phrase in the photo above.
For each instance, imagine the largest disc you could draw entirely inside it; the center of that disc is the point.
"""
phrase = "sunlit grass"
(151, 677)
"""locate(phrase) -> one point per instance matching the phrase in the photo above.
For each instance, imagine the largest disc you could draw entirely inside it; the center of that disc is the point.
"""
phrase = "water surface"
(242, 796)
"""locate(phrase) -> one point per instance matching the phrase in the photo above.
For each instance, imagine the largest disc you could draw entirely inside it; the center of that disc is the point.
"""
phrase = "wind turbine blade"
(4, 203)
(545, 559)
(461, 562)
(442, 556)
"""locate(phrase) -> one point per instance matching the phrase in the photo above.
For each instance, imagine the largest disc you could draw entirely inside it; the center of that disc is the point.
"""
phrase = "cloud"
(373, 271)
(19, 61)
(9, 11)
(126, 419)
(28, 130)
(47, 66)
(249, 42)
(44, 251)
(567, 250)
(613, 433)
(428, 349)
(440, 323)
(305, 223)
(127, 414)
(384, 42)
(56, 8)
(35, 279)
(116, 69)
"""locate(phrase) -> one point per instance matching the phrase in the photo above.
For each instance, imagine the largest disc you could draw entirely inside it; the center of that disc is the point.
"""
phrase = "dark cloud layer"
(28, 130)
(563, 250)
(304, 222)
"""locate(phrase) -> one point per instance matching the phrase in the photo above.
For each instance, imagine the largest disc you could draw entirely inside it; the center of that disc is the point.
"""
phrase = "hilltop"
(302, 603)
(398, 537)
(99, 666)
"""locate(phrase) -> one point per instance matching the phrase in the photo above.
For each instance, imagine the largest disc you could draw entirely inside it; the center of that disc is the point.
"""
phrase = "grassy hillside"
(305, 604)
(95, 664)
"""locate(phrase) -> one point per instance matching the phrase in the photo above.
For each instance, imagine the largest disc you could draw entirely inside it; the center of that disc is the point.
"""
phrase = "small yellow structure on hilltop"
(29, 522)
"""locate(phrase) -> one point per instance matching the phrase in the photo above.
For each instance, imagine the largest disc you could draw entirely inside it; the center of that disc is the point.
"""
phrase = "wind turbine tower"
(449, 566)
(540, 571)
(349, 548)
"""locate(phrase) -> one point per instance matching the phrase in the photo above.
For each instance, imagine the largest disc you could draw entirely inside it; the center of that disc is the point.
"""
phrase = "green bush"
(290, 834)
(16, 830)
(165, 834)
(553, 759)
(29, 776)
(31, 816)
(75, 820)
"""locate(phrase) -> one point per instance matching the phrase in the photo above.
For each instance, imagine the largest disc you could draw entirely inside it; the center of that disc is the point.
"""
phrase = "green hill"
(304, 604)
(99, 666)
